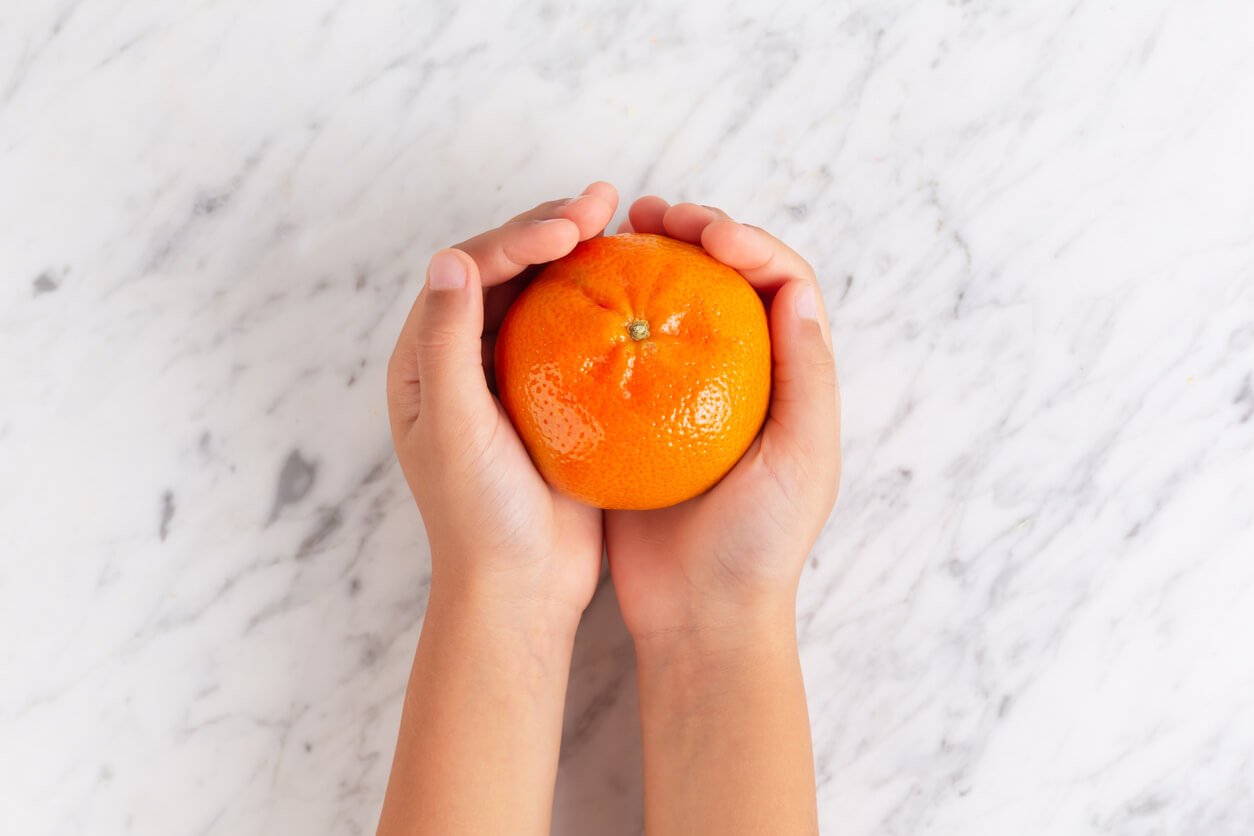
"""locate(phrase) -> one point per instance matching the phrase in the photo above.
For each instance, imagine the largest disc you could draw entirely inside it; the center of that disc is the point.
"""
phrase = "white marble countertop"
(1033, 609)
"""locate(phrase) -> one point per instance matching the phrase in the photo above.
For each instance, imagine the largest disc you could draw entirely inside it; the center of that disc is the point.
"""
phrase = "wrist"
(718, 635)
(704, 671)
(498, 603)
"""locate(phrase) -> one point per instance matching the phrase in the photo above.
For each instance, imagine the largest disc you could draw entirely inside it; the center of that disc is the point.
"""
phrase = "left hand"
(723, 567)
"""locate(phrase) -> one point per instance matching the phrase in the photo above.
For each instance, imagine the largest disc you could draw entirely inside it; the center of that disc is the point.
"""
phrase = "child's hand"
(495, 527)
(725, 565)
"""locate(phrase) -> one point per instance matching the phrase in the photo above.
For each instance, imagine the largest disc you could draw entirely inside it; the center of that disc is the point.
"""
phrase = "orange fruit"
(636, 370)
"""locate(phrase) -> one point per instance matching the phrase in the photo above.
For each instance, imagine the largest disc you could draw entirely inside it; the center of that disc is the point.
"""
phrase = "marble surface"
(1033, 609)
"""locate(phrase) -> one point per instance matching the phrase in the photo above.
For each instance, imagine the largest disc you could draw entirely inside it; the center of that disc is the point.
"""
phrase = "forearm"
(481, 724)
(726, 734)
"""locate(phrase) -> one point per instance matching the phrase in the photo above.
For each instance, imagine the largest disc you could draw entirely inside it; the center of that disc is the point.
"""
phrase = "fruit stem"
(638, 329)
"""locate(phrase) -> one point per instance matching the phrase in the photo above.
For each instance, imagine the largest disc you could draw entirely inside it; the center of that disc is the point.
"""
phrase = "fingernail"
(555, 221)
(447, 272)
(806, 305)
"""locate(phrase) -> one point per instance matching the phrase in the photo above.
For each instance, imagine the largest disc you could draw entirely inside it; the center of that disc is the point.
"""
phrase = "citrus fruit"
(636, 369)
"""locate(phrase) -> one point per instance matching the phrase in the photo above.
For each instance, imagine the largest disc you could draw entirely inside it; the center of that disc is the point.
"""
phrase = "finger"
(591, 213)
(551, 208)
(760, 257)
(404, 391)
(766, 262)
(804, 413)
(504, 252)
(403, 379)
(645, 215)
(447, 342)
(606, 192)
(686, 221)
(625, 226)
(723, 216)
(591, 210)
(542, 211)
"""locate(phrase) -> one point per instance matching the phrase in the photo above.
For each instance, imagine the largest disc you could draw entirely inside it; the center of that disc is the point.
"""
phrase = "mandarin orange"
(636, 369)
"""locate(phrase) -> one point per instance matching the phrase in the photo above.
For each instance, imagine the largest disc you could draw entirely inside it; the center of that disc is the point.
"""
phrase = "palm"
(536, 522)
(727, 538)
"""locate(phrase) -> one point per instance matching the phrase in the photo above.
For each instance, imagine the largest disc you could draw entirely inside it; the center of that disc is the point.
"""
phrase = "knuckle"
(800, 377)
(823, 369)
(449, 442)
(820, 363)
(401, 376)
(437, 340)
(546, 208)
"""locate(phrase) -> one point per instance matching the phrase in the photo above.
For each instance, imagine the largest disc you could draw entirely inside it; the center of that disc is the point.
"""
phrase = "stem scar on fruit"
(638, 329)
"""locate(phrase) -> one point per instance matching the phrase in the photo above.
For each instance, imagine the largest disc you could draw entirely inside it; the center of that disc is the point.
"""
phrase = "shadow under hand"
(599, 781)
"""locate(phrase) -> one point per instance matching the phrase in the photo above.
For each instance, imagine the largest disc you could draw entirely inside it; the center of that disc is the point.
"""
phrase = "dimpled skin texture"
(635, 424)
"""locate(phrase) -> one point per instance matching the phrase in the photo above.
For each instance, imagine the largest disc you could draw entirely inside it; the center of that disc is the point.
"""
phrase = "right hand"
(494, 525)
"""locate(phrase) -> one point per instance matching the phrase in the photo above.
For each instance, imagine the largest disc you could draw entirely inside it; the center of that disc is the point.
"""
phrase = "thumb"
(805, 400)
(447, 342)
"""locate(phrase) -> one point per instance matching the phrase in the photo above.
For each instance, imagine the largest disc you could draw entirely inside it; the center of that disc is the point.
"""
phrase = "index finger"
(766, 262)
(547, 232)
(504, 252)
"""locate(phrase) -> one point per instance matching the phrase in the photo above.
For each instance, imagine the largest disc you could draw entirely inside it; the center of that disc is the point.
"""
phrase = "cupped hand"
(729, 561)
(492, 521)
